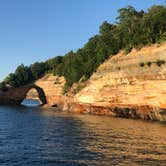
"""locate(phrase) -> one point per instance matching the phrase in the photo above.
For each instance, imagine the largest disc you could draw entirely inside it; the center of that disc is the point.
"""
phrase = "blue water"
(30, 102)
(31, 136)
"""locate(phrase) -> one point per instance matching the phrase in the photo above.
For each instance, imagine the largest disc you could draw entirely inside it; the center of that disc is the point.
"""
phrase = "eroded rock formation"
(17, 95)
(53, 89)
(132, 85)
(49, 90)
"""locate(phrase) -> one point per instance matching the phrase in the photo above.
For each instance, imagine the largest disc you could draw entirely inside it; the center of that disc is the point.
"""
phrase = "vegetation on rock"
(3, 86)
(160, 62)
(133, 29)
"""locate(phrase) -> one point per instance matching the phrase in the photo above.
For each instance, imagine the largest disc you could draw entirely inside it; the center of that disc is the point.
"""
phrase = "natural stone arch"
(40, 91)
(17, 95)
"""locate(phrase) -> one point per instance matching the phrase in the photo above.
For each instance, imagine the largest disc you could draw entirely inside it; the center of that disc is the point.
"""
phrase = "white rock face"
(123, 81)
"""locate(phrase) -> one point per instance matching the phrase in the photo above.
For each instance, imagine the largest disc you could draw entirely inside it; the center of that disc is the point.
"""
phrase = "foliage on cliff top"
(132, 29)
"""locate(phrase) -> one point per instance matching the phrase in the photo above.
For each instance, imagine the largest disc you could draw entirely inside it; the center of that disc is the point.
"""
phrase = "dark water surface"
(35, 137)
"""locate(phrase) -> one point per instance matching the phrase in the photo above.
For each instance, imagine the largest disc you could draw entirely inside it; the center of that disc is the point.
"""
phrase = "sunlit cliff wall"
(53, 89)
(135, 82)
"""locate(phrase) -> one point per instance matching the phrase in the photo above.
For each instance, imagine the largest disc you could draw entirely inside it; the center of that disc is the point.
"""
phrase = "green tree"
(38, 69)
(132, 29)
(11, 79)
(3, 86)
(23, 75)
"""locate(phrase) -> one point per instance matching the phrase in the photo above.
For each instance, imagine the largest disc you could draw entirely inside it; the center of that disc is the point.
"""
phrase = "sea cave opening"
(34, 97)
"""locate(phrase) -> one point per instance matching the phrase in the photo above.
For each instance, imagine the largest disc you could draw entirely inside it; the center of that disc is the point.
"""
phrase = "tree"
(3, 86)
(132, 29)
(38, 69)
(54, 62)
(11, 79)
(23, 75)
(154, 22)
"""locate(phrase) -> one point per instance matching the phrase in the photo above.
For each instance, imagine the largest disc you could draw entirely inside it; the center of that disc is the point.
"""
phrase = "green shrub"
(160, 62)
(3, 87)
(79, 87)
(162, 38)
(128, 50)
(142, 64)
(66, 88)
(149, 63)
(138, 47)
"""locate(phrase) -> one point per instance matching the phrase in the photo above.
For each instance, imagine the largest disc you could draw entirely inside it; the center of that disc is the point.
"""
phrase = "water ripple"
(34, 137)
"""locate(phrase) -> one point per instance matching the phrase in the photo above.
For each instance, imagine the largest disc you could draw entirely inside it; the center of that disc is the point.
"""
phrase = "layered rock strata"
(53, 88)
(132, 85)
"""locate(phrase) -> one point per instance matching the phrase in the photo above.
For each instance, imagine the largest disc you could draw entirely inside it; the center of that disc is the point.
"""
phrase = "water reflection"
(44, 137)
(105, 140)
(31, 102)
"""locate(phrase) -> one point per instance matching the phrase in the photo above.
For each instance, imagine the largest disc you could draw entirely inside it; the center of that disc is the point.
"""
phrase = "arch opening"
(35, 96)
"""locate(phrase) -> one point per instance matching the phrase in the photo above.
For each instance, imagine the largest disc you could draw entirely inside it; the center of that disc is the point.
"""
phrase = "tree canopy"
(132, 29)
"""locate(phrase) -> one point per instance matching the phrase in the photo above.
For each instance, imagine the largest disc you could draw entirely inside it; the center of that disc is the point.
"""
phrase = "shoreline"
(143, 112)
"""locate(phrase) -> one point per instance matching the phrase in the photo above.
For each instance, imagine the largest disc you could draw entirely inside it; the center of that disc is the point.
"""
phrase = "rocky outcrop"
(132, 85)
(49, 90)
(17, 95)
(53, 88)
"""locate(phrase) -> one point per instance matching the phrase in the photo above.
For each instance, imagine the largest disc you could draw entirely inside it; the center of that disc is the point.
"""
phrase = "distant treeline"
(133, 29)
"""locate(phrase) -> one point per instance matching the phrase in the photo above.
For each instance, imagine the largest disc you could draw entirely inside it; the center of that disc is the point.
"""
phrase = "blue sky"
(35, 30)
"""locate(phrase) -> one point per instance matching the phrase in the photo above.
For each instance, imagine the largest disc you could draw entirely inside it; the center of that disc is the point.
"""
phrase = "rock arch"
(41, 93)
(17, 95)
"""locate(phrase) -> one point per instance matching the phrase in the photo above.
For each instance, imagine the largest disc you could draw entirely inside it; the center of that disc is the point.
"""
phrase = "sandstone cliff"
(49, 91)
(132, 85)
(53, 89)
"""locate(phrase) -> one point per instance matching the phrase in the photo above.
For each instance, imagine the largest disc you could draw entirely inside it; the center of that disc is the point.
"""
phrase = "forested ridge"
(132, 29)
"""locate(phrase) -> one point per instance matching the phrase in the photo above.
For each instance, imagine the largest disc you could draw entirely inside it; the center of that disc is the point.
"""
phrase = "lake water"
(31, 136)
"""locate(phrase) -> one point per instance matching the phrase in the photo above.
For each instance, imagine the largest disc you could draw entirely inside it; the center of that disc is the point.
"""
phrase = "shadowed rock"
(49, 89)
(15, 96)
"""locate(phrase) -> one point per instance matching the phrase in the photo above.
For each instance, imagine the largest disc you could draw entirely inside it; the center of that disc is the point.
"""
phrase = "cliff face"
(53, 89)
(49, 90)
(132, 85)
(15, 96)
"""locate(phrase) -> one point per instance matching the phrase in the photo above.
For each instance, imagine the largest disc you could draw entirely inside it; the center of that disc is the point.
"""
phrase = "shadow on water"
(32, 137)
